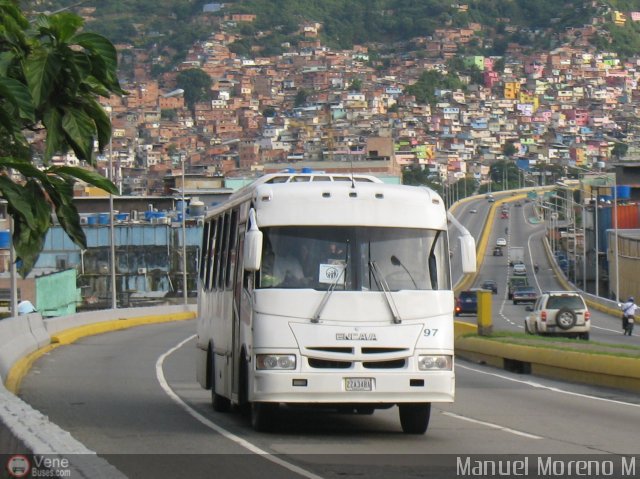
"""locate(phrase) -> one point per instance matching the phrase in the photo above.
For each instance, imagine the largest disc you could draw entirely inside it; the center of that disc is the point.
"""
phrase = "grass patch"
(562, 344)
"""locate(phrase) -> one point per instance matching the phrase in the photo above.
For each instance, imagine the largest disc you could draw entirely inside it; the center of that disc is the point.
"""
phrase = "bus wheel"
(414, 418)
(219, 403)
(263, 416)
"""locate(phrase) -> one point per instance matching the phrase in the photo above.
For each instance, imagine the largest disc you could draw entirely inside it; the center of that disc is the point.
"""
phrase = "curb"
(571, 366)
(22, 366)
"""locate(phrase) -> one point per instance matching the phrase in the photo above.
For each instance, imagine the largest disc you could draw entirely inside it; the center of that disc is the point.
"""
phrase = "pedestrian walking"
(628, 316)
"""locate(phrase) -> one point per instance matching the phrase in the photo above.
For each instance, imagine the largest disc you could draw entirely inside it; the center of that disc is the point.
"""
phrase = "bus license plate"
(358, 384)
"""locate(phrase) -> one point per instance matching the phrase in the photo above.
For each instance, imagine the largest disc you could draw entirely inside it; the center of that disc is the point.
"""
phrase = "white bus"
(330, 291)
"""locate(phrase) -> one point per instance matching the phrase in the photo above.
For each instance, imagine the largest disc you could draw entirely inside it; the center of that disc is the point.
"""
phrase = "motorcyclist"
(536, 268)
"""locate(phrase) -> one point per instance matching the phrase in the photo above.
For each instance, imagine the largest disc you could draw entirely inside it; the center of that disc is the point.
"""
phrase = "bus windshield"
(354, 258)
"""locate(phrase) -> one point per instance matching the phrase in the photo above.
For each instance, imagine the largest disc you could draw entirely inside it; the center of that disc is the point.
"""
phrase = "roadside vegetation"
(562, 344)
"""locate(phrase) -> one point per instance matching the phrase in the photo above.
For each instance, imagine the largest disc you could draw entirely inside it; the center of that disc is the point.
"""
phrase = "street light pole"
(184, 240)
(114, 299)
(615, 213)
(597, 205)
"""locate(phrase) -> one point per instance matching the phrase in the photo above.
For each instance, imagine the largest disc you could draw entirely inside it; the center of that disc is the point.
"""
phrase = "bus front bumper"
(331, 388)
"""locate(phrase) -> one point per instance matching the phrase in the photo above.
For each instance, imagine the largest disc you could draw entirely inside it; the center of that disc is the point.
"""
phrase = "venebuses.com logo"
(18, 466)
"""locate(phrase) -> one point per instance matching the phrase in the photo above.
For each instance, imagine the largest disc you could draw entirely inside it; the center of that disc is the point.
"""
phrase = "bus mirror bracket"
(252, 244)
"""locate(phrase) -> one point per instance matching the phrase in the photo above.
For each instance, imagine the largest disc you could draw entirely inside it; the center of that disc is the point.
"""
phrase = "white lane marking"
(492, 425)
(549, 388)
(220, 430)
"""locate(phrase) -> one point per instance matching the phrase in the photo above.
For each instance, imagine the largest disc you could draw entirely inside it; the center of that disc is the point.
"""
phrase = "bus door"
(237, 314)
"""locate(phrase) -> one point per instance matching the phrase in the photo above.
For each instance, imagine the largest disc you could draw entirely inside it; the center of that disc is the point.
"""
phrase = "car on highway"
(515, 282)
(519, 269)
(497, 251)
(467, 302)
(562, 313)
(524, 294)
(504, 215)
(491, 285)
(473, 211)
(501, 242)
(491, 200)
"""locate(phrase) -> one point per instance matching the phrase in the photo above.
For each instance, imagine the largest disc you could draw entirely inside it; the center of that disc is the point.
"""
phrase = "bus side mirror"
(468, 253)
(252, 245)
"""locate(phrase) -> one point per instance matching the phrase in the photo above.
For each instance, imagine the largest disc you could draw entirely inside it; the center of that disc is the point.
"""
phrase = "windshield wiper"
(382, 283)
(332, 287)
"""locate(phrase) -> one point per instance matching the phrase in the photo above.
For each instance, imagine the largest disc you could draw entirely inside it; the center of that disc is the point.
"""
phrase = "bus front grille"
(392, 364)
(329, 364)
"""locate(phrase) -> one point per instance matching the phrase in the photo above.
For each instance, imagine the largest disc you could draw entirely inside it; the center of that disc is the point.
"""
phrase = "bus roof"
(340, 203)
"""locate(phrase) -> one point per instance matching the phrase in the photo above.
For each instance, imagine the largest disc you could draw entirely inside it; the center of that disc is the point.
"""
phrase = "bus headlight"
(275, 361)
(435, 363)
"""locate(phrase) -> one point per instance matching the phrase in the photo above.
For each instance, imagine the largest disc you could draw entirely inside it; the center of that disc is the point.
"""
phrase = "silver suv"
(559, 312)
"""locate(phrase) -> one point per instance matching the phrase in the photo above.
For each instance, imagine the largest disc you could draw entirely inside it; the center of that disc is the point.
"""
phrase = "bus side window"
(210, 254)
(204, 251)
(217, 252)
(224, 252)
(233, 254)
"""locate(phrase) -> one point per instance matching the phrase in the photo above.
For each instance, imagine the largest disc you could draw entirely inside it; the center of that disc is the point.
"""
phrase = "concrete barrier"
(25, 338)
(27, 431)
(62, 323)
(18, 337)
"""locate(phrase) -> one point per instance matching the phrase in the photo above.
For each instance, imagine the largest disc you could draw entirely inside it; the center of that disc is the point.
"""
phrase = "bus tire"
(218, 402)
(263, 416)
(414, 417)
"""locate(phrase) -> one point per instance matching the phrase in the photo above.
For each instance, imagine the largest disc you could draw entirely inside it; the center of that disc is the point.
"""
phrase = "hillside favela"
(464, 108)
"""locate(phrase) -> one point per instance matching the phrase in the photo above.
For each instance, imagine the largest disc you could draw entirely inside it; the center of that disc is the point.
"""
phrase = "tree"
(269, 112)
(619, 150)
(196, 84)
(301, 97)
(509, 149)
(50, 77)
(356, 85)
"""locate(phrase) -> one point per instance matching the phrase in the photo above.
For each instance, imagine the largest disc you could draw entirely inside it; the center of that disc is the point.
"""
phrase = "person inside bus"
(282, 268)
(287, 271)
(335, 253)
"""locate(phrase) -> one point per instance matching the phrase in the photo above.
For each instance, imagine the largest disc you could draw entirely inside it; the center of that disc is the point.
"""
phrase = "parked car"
(524, 294)
(519, 269)
(501, 242)
(561, 313)
(467, 302)
(491, 285)
(497, 251)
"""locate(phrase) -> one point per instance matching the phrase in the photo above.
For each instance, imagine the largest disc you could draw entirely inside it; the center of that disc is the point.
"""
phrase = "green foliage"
(171, 26)
(50, 77)
(509, 149)
(619, 150)
(196, 85)
(425, 88)
(356, 85)
(170, 114)
(505, 175)
(269, 112)
(301, 97)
